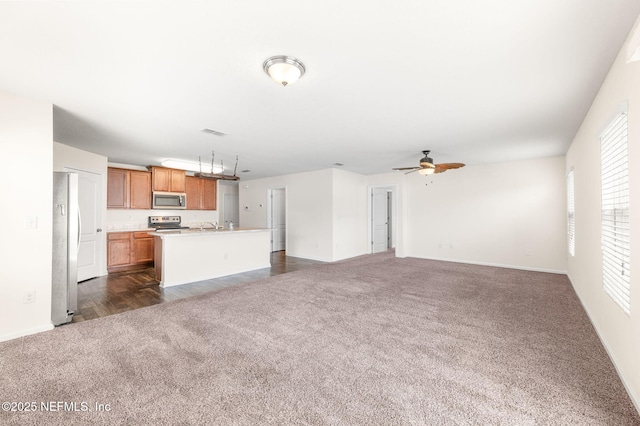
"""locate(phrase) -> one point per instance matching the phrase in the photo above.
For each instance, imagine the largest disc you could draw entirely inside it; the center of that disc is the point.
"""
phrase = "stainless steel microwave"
(169, 200)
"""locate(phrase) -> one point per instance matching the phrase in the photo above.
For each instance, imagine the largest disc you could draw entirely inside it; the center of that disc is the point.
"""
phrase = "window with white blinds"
(571, 220)
(615, 211)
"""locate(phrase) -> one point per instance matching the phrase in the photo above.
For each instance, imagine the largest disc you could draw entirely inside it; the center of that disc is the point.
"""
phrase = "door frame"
(225, 203)
(393, 226)
(102, 208)
(270, 213)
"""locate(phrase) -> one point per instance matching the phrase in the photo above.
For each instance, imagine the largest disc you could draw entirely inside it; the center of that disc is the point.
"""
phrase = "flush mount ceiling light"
(283, 70)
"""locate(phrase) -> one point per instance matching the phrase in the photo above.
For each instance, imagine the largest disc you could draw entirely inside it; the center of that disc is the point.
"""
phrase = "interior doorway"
(277, 218)
(382, 218)
(231, 213)
(90, 249)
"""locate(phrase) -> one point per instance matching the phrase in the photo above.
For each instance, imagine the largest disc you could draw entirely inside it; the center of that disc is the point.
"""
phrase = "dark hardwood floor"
(125, 291)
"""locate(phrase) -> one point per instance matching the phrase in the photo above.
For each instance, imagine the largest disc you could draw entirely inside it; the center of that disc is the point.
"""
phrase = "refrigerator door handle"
(79, 227)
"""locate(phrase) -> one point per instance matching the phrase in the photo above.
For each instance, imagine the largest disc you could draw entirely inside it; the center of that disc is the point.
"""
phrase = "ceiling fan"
(427, 166)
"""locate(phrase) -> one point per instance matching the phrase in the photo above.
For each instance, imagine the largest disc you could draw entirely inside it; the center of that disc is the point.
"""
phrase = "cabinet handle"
(99, 230)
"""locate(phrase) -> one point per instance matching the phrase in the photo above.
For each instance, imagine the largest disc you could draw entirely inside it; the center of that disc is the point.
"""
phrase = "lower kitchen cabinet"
(129, 250)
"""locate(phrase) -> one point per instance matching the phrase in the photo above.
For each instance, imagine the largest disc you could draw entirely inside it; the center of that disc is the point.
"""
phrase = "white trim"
(634, 398)
(394, 215)
(27, 332)
(270, 215)
(571, 212)
(496, 265)
(615, 221)
(622, 108)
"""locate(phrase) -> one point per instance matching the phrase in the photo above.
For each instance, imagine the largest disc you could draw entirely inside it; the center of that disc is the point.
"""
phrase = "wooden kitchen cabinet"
(129, 250)
(117, 189)
(201, 193)
(128, 189)
(209, 194)
(140, 190)
(142, 248)
(168, 180)
(118, 249)
(194, 192)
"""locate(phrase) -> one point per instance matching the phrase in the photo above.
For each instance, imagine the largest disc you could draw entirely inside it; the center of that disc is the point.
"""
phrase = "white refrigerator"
(66, 238)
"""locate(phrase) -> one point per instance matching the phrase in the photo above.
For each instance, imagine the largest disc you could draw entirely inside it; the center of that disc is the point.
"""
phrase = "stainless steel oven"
(169, 200)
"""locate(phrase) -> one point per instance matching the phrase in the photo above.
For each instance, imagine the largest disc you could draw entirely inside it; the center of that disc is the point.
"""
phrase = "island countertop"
(205, 231)
(189, 255)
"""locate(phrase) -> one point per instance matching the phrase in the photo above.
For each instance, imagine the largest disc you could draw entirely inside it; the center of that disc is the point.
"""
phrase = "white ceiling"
(474, 81)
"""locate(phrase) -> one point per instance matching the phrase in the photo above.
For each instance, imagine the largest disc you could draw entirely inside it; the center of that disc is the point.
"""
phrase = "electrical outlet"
(29, 297)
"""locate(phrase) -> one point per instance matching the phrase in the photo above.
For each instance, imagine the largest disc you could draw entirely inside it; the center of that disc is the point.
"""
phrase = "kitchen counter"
(129, 229)
(202, 232)
(190, 255)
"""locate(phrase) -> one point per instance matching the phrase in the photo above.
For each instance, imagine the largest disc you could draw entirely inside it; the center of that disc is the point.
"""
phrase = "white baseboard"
(497, 265)
(634, 398)
(27, 332)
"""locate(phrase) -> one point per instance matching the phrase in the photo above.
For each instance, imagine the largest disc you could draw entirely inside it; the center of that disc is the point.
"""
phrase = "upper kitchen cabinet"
(201, 193)
(128, 189)
(194, 192)
(117, 189)
(140, 190)
(168, 180)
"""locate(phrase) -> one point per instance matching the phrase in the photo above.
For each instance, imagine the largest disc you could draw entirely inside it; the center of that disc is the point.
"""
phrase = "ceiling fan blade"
(405, 168)
(415, 169)
(448, 166)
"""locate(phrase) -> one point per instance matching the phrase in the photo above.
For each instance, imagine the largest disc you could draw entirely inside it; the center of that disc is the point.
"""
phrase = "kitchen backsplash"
(138, 219)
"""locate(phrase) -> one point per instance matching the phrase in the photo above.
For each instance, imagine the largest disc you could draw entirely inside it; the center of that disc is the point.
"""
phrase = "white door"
(380, 220)
(231, 212)
(91, 248)
(278, 220)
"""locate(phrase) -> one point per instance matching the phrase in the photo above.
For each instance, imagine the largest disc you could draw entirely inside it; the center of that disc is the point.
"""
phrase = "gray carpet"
(371, 340)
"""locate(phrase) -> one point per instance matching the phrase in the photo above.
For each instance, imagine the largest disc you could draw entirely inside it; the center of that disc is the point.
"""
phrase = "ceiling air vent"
(213, 132)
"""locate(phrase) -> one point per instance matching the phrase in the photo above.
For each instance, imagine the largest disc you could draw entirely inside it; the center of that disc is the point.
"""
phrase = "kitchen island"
(190, 255)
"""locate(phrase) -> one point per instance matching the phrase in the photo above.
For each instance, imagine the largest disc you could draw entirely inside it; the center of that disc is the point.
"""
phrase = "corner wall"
(309, 210)
(350, 211)
(620, 333)
(26, 136)
(505, 214)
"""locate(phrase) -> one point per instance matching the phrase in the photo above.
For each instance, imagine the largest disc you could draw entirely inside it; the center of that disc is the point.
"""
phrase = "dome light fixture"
(283, 69)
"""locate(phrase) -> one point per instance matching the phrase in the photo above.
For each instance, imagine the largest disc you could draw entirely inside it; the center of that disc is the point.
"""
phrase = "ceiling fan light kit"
(284, 69)
(427, 171)
(428, 167)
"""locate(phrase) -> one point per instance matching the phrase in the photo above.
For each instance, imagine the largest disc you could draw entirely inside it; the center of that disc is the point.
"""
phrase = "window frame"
(571, 213)
(614, 207)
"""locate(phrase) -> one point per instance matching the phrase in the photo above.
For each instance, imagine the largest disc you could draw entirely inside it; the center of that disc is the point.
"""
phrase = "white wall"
(123, 219)
(26, 136)
(68, 156)
(350, 212)
(225, 187)
(506, 214)
(309, 207)
(620, 333)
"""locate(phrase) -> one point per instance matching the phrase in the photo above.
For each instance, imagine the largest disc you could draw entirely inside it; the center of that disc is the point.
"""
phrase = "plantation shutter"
(571, 221)
(615, 212)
